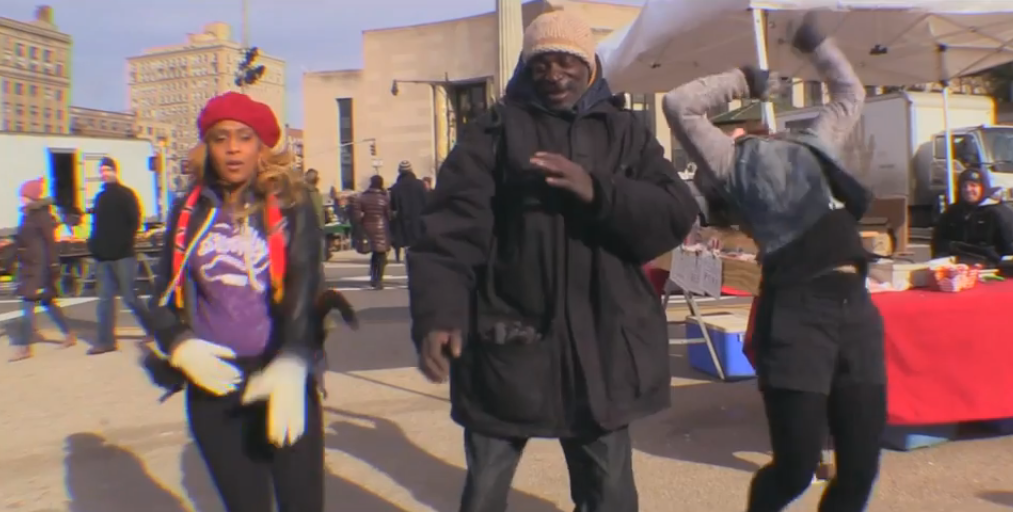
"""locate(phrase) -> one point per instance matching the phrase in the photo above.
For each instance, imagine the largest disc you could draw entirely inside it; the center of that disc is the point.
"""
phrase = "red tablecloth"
(949, 356)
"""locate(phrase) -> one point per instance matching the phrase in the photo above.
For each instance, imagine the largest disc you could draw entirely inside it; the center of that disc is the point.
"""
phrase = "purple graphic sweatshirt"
(230, 267)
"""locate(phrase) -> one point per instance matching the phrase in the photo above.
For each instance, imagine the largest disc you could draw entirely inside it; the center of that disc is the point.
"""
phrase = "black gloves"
(762, 83)
(808, 36)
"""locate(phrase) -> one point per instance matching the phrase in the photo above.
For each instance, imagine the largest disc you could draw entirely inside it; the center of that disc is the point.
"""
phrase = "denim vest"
(781, 186)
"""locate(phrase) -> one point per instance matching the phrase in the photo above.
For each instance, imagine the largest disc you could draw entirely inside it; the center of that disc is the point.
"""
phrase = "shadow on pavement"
(340, 494)
(708, 423)
(103, 477)
(433, 482)
(1004, 498)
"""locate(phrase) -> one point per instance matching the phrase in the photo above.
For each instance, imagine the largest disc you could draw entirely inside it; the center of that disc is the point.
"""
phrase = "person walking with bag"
(817, 337)
(234, 312)
(38, 270)
(372, 209)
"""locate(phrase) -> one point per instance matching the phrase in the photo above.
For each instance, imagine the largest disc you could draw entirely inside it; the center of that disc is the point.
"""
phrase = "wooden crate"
(740, 275)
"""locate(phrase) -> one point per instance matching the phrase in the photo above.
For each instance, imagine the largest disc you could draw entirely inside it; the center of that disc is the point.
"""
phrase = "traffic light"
(372, 148)
(248, 73)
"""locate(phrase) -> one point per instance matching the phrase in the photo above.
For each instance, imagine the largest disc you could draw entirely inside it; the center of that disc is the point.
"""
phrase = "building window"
(59, 70)
(7, 87)
(812, 94)
(48, 128)
(59, 114)
(47, 56)
(642, 106)
(19, 89)
(19, 50)
(346, 141)
(470, 101)
(59, 95)
(33, 91)
(787, 96)
(33, 53)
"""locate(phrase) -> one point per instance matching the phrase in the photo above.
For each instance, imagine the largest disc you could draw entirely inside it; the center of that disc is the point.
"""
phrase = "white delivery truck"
(70, 167)
(898, 149)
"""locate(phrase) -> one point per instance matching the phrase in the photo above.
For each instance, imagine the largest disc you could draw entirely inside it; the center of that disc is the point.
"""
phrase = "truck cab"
(987, 147)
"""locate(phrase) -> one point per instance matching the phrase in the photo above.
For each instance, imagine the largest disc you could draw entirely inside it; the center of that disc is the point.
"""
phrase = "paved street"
(86, 434)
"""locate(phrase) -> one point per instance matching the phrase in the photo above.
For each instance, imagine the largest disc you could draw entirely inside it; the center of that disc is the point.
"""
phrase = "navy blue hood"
(521, 89)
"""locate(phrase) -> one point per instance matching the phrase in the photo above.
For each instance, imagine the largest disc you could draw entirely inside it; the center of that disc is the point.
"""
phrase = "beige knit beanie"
(559, 30)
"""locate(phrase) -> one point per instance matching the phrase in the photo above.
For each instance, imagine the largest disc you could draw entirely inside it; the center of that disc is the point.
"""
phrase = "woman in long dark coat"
(373, 211)
(38, 269)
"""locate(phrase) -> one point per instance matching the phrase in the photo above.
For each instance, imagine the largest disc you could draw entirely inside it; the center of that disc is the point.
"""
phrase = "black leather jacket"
(297, 330)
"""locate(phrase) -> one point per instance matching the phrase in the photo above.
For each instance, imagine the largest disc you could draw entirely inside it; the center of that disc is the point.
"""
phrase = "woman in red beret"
(233, 312)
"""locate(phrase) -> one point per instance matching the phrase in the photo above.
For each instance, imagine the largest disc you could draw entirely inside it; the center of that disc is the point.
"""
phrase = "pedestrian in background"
(116, 219)
(372, 209)
(38, 269)
(407, 199)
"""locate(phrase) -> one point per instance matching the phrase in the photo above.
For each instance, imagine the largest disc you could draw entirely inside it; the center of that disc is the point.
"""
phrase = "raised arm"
(686, 109)
(837, 118)
(847, 95)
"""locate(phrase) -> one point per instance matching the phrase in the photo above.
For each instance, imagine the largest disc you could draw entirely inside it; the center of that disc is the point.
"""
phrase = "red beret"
(233, 106)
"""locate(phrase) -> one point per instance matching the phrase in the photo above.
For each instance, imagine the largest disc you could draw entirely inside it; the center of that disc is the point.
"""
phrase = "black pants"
(601, 472)
(250, 473)
(377, 265)
(856, 414)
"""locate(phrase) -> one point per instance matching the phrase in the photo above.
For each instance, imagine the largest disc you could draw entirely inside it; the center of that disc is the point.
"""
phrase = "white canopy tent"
(890, 42)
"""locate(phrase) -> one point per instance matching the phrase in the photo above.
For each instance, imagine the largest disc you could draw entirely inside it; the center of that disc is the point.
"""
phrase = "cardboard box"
(743, 275)
(901, 276)
(877, 242)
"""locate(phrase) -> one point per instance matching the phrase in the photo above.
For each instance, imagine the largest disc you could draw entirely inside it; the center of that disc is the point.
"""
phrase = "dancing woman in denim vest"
(818, 336)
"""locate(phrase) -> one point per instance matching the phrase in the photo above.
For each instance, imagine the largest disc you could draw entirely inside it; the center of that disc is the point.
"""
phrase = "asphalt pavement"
(87, 434)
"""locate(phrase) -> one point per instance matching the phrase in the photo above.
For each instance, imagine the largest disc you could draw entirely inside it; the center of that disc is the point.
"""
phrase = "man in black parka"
(526, 288)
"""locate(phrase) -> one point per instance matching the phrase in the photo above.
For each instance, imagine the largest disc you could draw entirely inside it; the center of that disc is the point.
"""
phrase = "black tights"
(250, 474)
(377, 264)
(797, 420)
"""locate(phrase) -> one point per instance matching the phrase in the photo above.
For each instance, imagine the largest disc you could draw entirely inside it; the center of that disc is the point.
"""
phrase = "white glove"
(283, 385)
(204, 364)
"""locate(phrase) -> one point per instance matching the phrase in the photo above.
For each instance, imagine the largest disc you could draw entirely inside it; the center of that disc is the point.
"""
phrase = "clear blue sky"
(310, 35)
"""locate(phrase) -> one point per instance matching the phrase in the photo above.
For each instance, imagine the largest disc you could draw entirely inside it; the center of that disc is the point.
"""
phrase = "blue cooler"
(726, 333)
(911, 437)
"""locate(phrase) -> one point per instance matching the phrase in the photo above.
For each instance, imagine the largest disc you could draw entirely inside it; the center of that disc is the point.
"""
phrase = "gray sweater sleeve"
(837, 118)
(686, 109)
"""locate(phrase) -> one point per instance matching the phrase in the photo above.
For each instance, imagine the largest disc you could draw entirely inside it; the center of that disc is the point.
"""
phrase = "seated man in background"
(978, 228)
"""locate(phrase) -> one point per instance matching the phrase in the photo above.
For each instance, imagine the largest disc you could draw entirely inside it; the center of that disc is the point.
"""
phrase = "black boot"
(381, 266)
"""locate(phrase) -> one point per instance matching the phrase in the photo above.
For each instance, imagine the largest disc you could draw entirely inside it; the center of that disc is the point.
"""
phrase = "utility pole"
(246, 36)
(510, 40)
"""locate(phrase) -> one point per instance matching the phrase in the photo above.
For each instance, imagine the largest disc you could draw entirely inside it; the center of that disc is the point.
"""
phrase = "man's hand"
(562, 173)
(437, 349)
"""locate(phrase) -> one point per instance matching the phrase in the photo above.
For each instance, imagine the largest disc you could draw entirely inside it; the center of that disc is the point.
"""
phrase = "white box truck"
(70, 166)
(898, 148)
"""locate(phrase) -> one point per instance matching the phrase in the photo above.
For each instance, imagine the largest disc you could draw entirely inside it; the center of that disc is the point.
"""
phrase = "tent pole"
(760, 33)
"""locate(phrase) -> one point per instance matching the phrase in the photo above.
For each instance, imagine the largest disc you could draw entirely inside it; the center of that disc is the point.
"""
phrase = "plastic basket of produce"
(955, 278)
